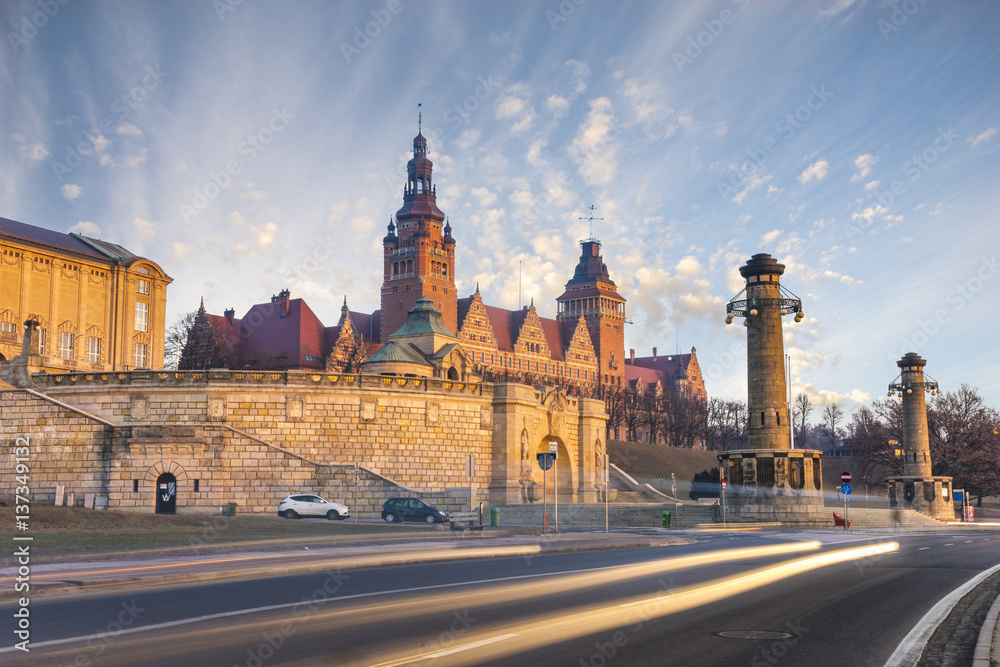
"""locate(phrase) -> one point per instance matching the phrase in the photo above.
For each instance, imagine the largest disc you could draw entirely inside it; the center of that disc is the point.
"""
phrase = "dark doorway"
(166, 494)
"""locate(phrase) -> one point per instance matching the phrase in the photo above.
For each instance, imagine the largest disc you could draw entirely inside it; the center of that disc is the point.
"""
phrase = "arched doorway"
(166, 494)
(564, 476)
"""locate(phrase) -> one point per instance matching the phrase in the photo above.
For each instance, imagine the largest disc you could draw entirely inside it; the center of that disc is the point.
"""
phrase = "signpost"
(673, 492)
(723, 501)
(607, 487)
(554, 448)
(545, 461)
(357, 480)
(845, 488)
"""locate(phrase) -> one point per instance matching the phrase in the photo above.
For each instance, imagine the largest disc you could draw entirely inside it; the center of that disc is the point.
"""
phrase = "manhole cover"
(753, 634)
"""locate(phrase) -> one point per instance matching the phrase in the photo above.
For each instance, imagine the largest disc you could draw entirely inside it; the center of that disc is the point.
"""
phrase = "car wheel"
(290, 514)
(429, 518)
(332, 514)
(390, 517)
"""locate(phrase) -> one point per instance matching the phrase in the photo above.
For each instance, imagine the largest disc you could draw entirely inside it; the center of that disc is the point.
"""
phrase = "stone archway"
(166, 494)
(565, 476)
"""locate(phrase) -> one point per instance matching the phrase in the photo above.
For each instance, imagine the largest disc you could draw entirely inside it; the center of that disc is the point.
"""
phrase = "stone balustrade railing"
(152, 378)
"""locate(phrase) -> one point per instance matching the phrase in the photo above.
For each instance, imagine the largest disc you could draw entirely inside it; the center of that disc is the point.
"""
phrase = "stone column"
(767, 418)
(918, 489)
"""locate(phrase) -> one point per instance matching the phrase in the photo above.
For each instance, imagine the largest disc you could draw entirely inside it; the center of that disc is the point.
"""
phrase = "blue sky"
(251, 146)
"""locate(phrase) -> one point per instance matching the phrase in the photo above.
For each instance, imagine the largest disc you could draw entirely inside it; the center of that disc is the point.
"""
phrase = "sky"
(250, 146)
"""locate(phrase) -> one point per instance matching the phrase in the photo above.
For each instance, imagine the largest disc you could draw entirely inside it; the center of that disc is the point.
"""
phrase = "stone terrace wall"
(65, 448)
(413, 430)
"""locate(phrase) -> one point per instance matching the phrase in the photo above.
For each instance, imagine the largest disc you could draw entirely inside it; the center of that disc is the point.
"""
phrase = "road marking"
(922, 548)
(950, 544)
(968, 541)
(459, 649)
(909, 650)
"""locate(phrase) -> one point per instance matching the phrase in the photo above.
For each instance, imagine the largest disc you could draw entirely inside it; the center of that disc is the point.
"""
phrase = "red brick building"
(583, 345)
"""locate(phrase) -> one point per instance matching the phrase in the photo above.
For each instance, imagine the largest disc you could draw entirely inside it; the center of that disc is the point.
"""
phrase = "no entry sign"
(845, 477)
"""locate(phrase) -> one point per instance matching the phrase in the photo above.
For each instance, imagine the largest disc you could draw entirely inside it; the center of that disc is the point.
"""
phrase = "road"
(822, 598)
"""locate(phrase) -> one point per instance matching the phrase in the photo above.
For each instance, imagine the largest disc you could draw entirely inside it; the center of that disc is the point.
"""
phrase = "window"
(197, 485)
(66, 345)
(142, 317)
(93, 349)
(42, 338)
(141, 353)
(135, 486)
(8, 327)
(141, 286)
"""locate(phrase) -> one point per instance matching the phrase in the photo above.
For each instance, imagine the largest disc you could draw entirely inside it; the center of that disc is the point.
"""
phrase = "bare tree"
(832, 417)
(175, 339)
(800, 418)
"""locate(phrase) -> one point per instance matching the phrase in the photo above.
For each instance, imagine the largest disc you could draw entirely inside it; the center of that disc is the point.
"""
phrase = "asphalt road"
(653, 606)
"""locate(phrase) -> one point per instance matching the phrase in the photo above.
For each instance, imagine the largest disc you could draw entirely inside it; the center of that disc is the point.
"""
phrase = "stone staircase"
(866, 517)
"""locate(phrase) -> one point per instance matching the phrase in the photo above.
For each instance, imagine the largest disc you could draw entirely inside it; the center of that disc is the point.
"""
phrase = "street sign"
(958, 495)
(723, 483)
(845, 489)
(553, 446)
(845, 477)
(545, 460)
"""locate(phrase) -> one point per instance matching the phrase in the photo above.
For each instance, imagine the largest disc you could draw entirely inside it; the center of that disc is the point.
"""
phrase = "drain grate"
(753, 634)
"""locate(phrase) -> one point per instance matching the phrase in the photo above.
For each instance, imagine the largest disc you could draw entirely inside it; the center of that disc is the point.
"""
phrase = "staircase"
(863, 517)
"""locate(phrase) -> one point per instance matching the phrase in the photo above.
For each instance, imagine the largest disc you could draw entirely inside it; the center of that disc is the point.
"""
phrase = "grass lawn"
(73, 533)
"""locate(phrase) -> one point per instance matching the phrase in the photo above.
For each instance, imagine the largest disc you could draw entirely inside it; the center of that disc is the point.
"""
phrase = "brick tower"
(769, 480)
(418, 251)
(592, 293)
(918, 488)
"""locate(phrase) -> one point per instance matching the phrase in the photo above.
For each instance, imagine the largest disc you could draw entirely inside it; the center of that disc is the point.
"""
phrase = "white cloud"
(595, 148)
(129, 129)
(484, 198)
(871, 185)
(534, 154)
(983, 137)
(71, 191)
(467, 139)
(557, 105)
(144, 227)
(266, 234)
(500, 38)
(181, 250)
(689, 267)
(236, 218)
(816, 170)
(36, 151)
(513, 104)
(86, 228)
(753, 181)
(770, 237)
(138, 159)
(864, 164)
(721, 130)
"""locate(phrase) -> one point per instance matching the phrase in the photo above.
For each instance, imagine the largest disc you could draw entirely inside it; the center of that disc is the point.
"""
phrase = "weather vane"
(420, 117)
(591, 221)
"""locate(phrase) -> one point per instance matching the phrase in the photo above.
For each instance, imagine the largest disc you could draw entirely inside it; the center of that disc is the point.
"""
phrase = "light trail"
(544, 630)
(357, 610)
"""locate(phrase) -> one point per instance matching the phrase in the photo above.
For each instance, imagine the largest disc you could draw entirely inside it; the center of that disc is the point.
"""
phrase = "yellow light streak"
(540, 631)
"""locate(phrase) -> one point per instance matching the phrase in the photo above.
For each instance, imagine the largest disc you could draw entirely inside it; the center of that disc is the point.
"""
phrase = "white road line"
(459, 649)
(909, 650)
(922, 548)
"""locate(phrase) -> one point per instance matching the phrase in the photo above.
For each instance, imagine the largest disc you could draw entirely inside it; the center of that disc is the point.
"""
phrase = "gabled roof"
(665, 368)
(423, 319)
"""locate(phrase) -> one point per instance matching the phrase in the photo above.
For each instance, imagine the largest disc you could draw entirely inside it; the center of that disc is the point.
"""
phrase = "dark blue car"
(397, 510)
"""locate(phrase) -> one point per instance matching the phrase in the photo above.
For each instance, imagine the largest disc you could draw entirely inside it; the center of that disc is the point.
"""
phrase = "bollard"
(495, 517)
(666, 519)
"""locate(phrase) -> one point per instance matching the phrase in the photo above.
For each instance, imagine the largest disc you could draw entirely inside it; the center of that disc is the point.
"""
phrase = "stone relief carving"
(486, 418)
(216, 408)
(139, 408)
(295, 408)
(368, 409)
(433, 412)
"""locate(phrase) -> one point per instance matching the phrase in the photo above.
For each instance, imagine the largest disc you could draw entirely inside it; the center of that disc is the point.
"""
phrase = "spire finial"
(591, 221)
(420, 117)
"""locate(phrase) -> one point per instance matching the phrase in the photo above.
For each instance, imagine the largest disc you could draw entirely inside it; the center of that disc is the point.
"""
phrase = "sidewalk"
(77, 576)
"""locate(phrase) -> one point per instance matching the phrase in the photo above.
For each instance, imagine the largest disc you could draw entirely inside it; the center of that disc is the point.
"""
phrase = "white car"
(306, 504)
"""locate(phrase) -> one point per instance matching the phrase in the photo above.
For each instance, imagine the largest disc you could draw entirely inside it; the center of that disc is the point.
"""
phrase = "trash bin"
(666, 519)
(495, 517)
(232, 509)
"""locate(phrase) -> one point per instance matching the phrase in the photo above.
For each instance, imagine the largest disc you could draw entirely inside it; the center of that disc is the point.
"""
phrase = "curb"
(988, 647)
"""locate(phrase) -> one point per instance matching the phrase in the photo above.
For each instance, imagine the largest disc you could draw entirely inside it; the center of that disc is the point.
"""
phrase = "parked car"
(397, 510)
(306, 504)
